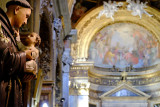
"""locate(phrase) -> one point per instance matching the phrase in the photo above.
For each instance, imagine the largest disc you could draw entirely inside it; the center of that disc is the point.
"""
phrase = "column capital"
(79, 88)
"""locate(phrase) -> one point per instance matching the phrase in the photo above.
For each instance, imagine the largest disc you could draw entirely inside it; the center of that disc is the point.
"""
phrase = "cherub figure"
(30, 42)
(137, 8)
(109, 9)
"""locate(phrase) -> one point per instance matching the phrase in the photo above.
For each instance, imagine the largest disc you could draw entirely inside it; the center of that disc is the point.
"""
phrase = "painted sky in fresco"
(124, 44)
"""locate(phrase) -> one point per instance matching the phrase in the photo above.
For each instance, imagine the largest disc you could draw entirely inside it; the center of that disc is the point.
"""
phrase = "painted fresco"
(124, 44)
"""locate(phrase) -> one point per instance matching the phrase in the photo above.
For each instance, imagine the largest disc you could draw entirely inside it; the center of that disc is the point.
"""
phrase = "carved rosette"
(79, 88)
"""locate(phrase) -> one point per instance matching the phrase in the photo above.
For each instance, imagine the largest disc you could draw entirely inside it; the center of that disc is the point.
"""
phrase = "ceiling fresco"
(123, 45)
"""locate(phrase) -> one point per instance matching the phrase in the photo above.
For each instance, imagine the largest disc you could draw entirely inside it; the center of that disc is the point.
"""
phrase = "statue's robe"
(12, 65)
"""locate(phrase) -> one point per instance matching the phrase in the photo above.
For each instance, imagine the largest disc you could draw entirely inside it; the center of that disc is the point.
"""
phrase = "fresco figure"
(108, 57)
(123, 45)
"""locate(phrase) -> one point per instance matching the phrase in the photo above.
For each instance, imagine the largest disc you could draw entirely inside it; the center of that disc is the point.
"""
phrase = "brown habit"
(12, 66)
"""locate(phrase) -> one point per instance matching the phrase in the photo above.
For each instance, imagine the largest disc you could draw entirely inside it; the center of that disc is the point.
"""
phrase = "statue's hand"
(31, 66)
(31, 71)
(28, 54)
(35, 52)
(17, 35)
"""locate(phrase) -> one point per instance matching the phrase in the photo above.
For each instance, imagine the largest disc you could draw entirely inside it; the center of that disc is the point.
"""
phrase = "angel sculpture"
(109, 9)
(137, 8)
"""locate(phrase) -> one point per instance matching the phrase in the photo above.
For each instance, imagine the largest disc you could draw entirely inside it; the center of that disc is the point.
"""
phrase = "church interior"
(95, 53)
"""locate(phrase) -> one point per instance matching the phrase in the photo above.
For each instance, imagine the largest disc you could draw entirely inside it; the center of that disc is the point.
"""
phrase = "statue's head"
(33, 38)
(18, 11)
(22, 3)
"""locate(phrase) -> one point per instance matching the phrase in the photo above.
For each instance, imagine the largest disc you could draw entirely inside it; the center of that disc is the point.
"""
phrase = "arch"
(89, 25)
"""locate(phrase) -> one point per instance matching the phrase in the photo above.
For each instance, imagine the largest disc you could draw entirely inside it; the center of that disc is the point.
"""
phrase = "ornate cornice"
(153, 68)
(80, 69)
(131, 75)
(113, 81)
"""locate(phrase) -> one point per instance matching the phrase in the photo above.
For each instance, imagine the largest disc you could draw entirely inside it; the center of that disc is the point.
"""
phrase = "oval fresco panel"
(124, 44)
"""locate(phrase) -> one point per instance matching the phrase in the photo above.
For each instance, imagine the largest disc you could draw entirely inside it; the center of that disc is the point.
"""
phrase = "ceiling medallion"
(136, 7)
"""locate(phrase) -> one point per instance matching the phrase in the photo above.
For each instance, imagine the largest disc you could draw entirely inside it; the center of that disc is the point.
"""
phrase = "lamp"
(45, 105)
(62, 100)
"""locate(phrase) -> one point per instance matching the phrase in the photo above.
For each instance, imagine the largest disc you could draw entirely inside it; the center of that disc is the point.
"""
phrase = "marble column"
(66, 60)
(79, 83)
(79, 94)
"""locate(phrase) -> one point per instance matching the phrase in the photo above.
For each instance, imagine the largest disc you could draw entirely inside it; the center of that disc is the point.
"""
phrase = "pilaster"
(79, 84)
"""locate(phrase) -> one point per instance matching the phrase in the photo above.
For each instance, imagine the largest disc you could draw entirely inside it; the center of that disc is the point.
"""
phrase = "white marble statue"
(109, 9)
(137, 8)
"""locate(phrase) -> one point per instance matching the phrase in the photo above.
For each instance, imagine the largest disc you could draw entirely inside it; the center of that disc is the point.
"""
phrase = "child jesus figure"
(30, 42)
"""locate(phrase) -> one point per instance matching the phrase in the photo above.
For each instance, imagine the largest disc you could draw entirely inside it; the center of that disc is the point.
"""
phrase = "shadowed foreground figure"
(12, 60)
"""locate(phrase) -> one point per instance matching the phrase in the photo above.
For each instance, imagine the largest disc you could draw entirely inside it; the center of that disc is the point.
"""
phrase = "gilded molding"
(107, 71)
(134, 81)
(130, 76)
